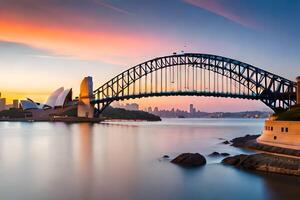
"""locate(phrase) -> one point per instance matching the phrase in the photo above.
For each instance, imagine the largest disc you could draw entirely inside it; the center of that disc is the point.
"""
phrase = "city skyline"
(103, 38)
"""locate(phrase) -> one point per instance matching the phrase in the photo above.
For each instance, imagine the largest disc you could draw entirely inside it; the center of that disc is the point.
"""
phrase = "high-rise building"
(15, 103)
(191, 108)
(2, 104)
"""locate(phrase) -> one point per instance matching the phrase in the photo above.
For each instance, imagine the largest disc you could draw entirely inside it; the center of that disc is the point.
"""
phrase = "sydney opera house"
(60, 104)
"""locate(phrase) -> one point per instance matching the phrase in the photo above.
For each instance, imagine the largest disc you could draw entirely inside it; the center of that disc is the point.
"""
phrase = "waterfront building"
(2, 104)
(59, 98)
(283, 130)
(15, 103)
(51, 101)
(28, 105)
(60, 104)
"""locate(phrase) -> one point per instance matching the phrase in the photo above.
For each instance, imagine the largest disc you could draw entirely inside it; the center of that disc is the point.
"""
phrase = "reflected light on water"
(123, 161)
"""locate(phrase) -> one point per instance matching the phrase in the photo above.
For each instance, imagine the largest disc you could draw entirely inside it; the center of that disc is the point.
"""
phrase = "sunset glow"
(49, 39)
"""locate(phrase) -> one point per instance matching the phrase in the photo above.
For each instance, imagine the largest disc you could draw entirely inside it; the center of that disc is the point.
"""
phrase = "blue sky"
(46, 44)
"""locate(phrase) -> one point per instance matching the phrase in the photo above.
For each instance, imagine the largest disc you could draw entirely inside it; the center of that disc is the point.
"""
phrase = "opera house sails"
(61, 104)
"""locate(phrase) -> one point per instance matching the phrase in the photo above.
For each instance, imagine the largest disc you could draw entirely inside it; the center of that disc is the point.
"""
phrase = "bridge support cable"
(161, 80)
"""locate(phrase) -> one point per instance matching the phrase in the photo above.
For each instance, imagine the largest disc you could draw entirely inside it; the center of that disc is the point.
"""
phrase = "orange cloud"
(110, 45)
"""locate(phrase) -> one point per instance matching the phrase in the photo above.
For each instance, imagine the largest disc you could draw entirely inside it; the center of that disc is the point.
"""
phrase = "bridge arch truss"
(197, 75)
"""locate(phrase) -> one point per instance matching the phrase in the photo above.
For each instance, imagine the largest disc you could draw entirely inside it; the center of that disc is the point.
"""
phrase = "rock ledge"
(266, 162)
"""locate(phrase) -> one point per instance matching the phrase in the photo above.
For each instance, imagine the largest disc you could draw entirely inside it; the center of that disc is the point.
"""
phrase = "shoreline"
(75, 120)
(60, 119)
(268, 159)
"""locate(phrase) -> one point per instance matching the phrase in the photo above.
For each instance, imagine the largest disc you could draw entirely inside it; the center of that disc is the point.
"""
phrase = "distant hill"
(13, 113)
(185, 114)
(120, 113)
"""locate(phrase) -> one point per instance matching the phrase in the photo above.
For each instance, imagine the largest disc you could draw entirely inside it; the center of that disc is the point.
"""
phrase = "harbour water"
(123, 160)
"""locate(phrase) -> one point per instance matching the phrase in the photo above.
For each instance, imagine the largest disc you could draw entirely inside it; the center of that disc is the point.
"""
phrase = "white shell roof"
(27, 105)
(60, 101)
(53, 97)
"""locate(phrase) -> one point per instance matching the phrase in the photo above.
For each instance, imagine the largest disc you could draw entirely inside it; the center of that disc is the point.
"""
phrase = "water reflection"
(122, 161)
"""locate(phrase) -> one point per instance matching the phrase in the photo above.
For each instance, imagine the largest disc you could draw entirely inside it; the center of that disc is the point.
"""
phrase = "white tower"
(85, 109)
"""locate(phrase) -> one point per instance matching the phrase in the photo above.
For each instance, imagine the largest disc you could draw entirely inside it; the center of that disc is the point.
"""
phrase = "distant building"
(2, 104)
(15, 103)
(132, 106)
(149, 109)
(192, 109)
(155, 110)
(128, 106)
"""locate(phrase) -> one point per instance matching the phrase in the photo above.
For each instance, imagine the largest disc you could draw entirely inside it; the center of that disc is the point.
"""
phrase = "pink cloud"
(216, 7)
(106, 41)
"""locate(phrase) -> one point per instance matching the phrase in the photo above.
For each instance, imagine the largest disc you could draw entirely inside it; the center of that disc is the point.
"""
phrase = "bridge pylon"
(85, 108)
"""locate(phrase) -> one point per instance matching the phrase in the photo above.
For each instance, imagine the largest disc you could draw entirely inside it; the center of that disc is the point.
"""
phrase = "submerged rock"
(217, 154)
(226, 142)
(266, 163)
(190, 160)
(214, 154)
(225, 154)
(166, 156)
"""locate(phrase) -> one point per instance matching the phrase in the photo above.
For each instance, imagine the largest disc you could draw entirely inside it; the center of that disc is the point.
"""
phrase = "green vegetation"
(291, 115)
(119, 113)
(13, 114)
(70, 113)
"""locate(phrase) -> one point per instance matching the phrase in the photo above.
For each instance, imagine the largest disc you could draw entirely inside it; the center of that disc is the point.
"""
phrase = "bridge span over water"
(193, 74)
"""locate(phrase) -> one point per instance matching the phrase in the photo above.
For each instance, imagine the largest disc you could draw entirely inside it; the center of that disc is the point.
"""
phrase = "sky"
(45, 44)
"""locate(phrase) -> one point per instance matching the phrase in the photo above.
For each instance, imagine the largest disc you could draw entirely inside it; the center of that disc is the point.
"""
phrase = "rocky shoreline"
(267, 162)
(249, 142)
(274, 159)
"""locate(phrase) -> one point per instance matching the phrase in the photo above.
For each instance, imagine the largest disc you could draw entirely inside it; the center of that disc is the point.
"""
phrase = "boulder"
(189, 160)
(214, 154)
(226, 142)
(166, 156)
(243, 141)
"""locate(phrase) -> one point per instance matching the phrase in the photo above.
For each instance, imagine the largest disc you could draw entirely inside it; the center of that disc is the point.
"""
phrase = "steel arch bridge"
(192, 74)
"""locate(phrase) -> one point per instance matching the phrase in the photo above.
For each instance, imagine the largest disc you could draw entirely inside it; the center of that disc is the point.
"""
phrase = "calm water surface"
(122, 160)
